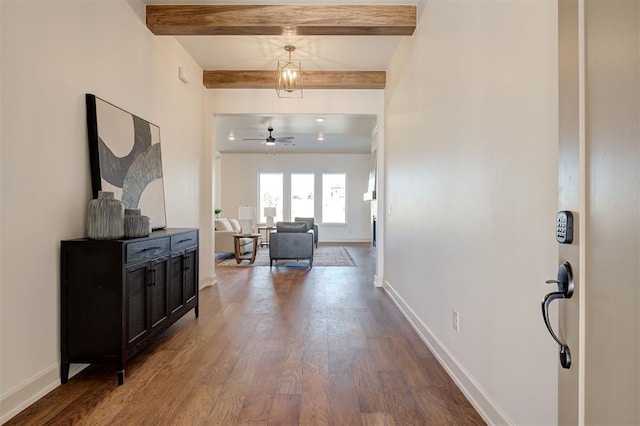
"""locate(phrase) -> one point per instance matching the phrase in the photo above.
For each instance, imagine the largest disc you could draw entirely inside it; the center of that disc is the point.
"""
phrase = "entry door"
(599, 159)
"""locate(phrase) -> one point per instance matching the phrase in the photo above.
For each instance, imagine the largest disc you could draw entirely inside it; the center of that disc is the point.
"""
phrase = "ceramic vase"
(135, 224)
(105, 217)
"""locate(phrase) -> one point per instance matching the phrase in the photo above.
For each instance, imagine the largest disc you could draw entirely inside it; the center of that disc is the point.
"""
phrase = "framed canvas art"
(125, 159)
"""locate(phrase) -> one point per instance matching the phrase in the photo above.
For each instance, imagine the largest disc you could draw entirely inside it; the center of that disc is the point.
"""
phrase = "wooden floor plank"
(378, 419)
(257, 404)
(196, 405)
(234, 390)
(282, 346)
(314, 409)
(400, 400)
(344, 408)
(367, 383)
(285, 410)
(338, 345)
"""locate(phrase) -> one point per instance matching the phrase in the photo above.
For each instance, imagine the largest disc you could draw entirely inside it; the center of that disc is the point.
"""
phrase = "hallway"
(273, 346)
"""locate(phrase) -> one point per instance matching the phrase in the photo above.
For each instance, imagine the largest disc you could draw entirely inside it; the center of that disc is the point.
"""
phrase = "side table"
(267, 230)
(236, 246)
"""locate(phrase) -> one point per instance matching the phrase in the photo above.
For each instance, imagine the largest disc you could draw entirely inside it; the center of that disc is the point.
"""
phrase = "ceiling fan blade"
(246, 139)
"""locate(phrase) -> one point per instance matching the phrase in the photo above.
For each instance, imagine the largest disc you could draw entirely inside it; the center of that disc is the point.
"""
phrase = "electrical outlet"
(456, 321)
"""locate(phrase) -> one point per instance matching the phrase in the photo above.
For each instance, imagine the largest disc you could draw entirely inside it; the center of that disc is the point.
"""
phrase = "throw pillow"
(222, 224)
(235, 225)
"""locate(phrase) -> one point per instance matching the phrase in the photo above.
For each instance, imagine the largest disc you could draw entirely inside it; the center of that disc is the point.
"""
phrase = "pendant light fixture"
(289, 77)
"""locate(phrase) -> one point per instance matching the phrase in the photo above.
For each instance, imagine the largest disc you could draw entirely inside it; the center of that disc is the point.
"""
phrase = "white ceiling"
(316, 53)
(341, 133)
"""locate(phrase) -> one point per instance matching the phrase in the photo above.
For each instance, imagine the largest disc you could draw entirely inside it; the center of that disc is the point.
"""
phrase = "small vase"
(105, 217)
(136, 225)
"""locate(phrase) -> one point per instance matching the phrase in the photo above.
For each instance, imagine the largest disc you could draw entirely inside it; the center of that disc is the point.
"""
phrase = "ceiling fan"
(270, 140)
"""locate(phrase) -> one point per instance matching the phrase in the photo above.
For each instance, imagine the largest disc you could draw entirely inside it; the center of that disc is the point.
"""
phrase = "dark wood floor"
(282, 346)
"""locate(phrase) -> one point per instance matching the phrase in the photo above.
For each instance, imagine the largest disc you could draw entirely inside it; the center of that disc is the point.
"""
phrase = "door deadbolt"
(564, 281)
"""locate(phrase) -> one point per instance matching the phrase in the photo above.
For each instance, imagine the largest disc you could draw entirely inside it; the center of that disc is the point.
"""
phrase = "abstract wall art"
(125, 158)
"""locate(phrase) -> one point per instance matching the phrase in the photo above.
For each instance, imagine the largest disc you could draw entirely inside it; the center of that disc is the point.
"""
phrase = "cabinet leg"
(120, 374)
(64, 372)
(197, 311)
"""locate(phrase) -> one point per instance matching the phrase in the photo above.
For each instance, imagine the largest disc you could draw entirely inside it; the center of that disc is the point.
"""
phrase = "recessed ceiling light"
(320, 137)
(231, 137)
(319, 119)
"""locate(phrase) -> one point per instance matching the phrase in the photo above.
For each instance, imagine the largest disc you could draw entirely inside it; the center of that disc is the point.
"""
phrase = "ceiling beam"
(397, 20)
(241, 79)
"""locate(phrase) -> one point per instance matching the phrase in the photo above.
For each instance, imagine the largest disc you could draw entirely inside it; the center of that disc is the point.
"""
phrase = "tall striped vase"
(105, 217)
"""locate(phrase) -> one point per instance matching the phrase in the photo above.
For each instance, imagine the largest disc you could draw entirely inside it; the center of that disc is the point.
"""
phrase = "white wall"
(471, 163)
(239, 177)
(52, 54)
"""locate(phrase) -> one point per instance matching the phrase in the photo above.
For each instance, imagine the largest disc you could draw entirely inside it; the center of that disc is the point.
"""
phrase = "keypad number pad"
(564, 227)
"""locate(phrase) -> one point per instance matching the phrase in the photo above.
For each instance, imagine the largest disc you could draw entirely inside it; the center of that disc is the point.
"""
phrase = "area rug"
(322, 256)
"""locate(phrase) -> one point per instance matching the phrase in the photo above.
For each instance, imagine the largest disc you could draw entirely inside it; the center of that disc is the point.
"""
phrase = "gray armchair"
(291, 240)
(310, 225)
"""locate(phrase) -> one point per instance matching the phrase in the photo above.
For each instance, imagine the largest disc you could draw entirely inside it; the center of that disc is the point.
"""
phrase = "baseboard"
(208, 282)
(476, 394)
(346, 241)
(377, 282)
(20, 397)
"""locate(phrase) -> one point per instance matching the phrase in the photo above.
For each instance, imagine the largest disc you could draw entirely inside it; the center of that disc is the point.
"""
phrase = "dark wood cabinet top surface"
(167, 232)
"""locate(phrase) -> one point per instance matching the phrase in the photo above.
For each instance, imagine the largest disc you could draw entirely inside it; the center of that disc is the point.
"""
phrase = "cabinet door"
(136, 300)
(190, 266)
(158, 307)
(176, 284)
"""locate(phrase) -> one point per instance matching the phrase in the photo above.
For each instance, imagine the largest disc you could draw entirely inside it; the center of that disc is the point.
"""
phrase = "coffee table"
(236, 246)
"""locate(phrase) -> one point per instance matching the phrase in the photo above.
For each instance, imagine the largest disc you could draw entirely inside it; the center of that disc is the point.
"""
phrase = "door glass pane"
(334, 198)
(302, 199)
(270, 195)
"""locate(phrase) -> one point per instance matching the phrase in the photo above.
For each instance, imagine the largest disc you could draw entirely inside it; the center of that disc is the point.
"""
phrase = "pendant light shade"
(289, 77)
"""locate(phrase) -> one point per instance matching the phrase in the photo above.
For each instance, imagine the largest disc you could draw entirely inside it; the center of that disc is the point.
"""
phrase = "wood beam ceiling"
(242, 79)
(388, 20)
(347, 20)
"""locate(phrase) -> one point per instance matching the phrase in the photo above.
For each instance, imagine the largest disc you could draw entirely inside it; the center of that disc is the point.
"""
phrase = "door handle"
(565, 286)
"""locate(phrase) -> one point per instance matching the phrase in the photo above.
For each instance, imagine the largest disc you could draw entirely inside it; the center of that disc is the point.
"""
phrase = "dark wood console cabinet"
(116, 295)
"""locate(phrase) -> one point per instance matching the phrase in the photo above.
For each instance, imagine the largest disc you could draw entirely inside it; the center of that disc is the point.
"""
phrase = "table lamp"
(246, 216)
(269, 213)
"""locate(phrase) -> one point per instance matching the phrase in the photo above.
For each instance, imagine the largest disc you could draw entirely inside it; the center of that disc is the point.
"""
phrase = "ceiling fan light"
(270, 143)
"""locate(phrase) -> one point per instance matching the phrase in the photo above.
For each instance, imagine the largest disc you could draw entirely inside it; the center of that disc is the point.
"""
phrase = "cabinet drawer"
(182, 241)
(147, 250)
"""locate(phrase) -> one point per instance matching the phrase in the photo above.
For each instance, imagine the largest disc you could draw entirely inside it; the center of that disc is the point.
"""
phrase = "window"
(302, 198)
(334, 198)
(270, 195)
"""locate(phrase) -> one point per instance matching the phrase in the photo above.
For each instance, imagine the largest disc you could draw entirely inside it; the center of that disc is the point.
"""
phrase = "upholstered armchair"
(310, 225)
(292, 240)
